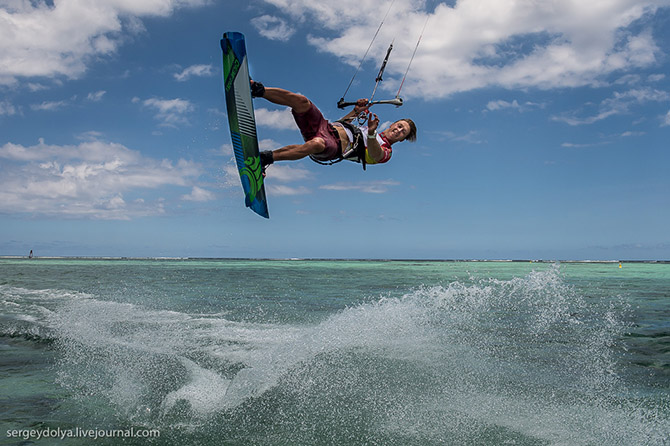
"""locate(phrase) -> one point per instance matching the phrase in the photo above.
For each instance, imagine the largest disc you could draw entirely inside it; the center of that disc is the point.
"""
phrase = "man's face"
(398, 131)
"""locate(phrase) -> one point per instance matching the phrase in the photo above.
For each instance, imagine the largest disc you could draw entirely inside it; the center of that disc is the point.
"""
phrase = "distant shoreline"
(310, 259)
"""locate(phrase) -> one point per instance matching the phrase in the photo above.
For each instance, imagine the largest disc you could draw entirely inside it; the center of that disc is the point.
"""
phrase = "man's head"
(411, 136)
(401, 130)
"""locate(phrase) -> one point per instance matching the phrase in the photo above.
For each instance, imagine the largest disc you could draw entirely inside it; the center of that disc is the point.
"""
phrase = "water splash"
(527, 360)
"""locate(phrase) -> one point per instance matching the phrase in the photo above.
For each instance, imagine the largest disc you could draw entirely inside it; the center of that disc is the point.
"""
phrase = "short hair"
(412, 129)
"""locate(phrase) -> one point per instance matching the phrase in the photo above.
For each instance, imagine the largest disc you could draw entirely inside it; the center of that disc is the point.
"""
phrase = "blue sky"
(543, 129)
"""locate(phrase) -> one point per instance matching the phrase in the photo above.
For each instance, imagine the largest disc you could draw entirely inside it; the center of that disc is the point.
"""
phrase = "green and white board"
(242, 121)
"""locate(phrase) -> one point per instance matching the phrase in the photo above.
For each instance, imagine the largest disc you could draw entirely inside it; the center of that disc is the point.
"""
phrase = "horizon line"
(325, 259)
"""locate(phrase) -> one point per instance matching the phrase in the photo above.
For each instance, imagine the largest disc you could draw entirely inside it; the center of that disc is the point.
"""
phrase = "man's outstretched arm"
(374, 149)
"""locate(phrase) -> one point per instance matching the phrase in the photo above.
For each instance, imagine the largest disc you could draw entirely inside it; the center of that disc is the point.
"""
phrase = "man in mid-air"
(327, 142)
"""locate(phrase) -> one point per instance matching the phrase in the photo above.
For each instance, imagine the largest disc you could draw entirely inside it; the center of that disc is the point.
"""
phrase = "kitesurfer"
(327, 142)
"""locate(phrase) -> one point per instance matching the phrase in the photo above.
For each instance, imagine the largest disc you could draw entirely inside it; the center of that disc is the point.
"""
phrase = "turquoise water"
(335, 352)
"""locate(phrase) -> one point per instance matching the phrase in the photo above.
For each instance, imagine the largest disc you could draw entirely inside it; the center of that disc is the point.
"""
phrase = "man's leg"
(298, 102)
(293, 152)
(299, 151)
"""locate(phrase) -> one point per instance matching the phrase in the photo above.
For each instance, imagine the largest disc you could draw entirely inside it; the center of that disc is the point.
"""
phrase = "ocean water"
(236, 352)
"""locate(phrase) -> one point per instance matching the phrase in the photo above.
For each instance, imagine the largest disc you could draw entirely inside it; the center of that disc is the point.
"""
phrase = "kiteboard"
(242, 121)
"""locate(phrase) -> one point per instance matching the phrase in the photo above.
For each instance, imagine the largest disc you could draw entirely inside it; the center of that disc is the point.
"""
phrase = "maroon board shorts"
(312, 124)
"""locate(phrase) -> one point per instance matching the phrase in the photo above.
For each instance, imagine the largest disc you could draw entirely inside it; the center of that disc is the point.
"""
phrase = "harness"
(355, 153)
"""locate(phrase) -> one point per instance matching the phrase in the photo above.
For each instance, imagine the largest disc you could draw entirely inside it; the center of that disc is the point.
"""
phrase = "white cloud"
(484, 43)
(7, 108)
(199, 194)
(630, 79)
(96, 96)
(370, 187)
(89, 180)
(171, 112)
(666, 120)
(283, 190)
(630, 133)
(268, 144)
(49, 106)
(287, 173)
(618, 104)
(226, 149)
(34, 86)
(501, 104)
(514, 105)
(274, 28)
(194, 71)
(277, 119)
(61, 39)
(583, 145)
(90, 135)
(471, 137)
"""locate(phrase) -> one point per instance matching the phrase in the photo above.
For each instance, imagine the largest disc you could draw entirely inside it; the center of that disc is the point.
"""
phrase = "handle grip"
(395, 101)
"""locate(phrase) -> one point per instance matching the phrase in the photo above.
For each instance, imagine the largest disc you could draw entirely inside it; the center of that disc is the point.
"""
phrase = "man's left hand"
(373, 122)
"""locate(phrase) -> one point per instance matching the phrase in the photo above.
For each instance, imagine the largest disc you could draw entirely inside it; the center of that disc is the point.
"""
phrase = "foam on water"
(525, 361)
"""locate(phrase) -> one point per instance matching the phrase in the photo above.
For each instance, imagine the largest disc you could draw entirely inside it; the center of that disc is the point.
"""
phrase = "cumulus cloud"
(274, 28)
(482, 43)
(171, 112)
(89, 180)
(40, 38)
(277, 119)
(194, 71)
(199, 194)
